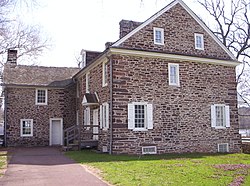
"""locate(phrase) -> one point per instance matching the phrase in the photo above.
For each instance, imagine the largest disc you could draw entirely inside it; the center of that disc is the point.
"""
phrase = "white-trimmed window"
(158, 36)
(87, 82)
(199, 41)
(223, 147)
(104, 116)
(173, 74)
(220, 116)
(41, 96)
(26, 126)
(104, 74)
(140, 116)
(86, 116)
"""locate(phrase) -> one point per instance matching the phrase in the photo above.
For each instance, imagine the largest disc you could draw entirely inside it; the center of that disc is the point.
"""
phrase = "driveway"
(45, 166)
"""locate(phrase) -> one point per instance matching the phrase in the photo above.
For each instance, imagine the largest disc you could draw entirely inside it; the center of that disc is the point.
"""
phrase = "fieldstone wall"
(179, 28)
(21, 105)
(95, 85)
(182, 117)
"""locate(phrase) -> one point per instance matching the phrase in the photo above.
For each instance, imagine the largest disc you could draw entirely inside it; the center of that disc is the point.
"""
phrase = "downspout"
(111, 106)
(5, 116)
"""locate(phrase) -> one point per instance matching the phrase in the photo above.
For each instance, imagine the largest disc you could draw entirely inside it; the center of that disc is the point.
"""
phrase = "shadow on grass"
(89, 156)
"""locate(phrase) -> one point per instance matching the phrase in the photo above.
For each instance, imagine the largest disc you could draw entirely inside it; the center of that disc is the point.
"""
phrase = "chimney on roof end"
(127, 26)
(12, 56)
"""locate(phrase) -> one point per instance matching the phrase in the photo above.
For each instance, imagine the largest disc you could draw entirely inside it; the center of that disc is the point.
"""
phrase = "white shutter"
(150, 116)
(213, 116)
(85, 116)
(101, 117)
(131, 118)
(107, 115)
(88, 116)
(227, 111)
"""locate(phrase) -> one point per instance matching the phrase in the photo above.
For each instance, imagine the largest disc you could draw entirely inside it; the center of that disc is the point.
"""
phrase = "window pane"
(26, 127)
(173, 74)
(199, 41)
(140, 116)
(220, 116)
(158, 38)
(41, 96)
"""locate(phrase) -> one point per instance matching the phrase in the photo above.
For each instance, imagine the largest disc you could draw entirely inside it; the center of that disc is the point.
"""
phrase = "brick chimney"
(127, 26)
(12, 56)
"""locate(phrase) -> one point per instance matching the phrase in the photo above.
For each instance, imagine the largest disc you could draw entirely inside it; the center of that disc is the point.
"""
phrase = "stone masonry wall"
(21, 105)
(95, 85)
(181, 115)
(179, 28)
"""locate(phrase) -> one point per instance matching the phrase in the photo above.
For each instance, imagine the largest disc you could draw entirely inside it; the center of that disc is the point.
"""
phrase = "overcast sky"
(88, 24)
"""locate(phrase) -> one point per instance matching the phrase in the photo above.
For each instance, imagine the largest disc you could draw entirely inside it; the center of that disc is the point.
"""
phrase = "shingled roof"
(21, 75)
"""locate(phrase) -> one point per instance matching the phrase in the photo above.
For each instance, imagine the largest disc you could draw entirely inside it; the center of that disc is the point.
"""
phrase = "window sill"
(140, 130)
(159, 44)
(26, 135)
(41, 104)
(199, 48)
(220, 127)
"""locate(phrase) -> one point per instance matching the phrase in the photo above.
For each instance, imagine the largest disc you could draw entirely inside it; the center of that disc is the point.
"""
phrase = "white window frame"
(21, 128)
(104, 116)
(87, 82)
(148, 116)
(226, 116)
(196, 42)
(161, 30)
(46, 96)
(105, 73)
(177, 83)
(149, 147)
(227, 147)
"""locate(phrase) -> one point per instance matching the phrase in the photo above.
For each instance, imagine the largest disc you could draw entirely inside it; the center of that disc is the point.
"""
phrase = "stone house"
(167, 85)
(39, 103)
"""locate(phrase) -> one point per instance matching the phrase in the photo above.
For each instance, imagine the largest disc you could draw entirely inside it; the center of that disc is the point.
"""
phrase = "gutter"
(111, 106)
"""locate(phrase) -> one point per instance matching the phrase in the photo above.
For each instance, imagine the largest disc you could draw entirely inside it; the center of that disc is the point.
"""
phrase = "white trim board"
(158, 14)
(173, 57)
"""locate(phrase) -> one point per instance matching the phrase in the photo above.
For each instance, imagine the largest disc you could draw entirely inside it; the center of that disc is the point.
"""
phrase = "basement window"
(223, 147)
(149, 150)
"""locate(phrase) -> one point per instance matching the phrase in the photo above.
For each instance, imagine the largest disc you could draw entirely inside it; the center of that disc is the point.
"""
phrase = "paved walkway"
(46, 166)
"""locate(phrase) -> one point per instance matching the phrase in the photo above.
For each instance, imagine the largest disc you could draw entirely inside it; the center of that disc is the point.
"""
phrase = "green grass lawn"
(3, 161)
(169, 169)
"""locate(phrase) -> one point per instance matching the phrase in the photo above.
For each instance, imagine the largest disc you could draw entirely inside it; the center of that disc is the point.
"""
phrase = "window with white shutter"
(140, 116)
(220, 116)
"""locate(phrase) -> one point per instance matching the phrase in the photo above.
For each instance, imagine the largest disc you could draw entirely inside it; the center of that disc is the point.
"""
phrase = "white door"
(96, 124)
(56, 133)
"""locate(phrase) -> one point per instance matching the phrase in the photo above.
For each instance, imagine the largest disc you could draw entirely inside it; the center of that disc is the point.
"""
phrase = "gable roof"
(21, 75)
(158, 14)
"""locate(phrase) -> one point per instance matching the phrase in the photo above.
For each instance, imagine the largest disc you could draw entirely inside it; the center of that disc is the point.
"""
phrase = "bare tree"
(14, 34)
(233, 29)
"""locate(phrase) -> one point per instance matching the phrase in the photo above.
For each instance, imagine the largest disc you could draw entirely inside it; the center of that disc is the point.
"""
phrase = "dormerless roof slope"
(21, 75)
